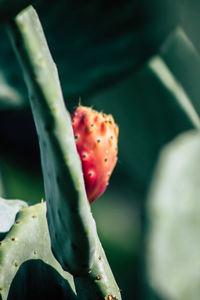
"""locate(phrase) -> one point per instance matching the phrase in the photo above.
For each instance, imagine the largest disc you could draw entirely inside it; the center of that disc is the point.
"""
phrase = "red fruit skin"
(96, 136)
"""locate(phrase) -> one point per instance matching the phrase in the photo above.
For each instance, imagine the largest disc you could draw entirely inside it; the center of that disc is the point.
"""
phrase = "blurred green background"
(139, 61)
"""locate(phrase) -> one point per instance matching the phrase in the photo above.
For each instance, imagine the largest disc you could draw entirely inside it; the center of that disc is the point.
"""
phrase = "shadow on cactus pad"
(38, 280)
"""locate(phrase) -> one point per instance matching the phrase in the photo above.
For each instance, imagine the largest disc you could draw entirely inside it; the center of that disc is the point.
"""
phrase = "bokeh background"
(139, 61)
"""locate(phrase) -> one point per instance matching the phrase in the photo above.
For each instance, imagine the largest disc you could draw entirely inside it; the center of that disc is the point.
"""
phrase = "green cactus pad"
(99, 282)
(72, 229)
(71, 225)
(26, 260)
(173, 252)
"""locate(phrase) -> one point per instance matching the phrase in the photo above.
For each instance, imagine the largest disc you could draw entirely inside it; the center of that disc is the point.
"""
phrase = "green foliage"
(174, 224)
(154, 120)
(58, 149)
(132, 60)
(72, 229)
(182, 58)
(25, 252)
(95, 45)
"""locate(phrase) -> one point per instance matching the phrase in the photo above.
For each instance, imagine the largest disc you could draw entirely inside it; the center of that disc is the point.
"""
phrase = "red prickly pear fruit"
(96, 136)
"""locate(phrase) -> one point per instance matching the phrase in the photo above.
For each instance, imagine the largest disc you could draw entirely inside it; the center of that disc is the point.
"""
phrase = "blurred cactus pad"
(139, 62)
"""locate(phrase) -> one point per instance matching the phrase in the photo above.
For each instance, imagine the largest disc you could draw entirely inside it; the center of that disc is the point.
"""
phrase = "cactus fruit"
(96, 136)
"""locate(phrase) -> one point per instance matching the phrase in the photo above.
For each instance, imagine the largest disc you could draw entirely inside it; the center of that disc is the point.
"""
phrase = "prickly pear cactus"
(26, 259)
(96, 136)
(72, 229)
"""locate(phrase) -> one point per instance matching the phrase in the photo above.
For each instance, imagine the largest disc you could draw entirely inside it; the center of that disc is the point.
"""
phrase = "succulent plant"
(72, 231)
(52, 249)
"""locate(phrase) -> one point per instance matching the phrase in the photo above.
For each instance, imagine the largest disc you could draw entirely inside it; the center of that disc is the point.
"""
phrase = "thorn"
(110, 297)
